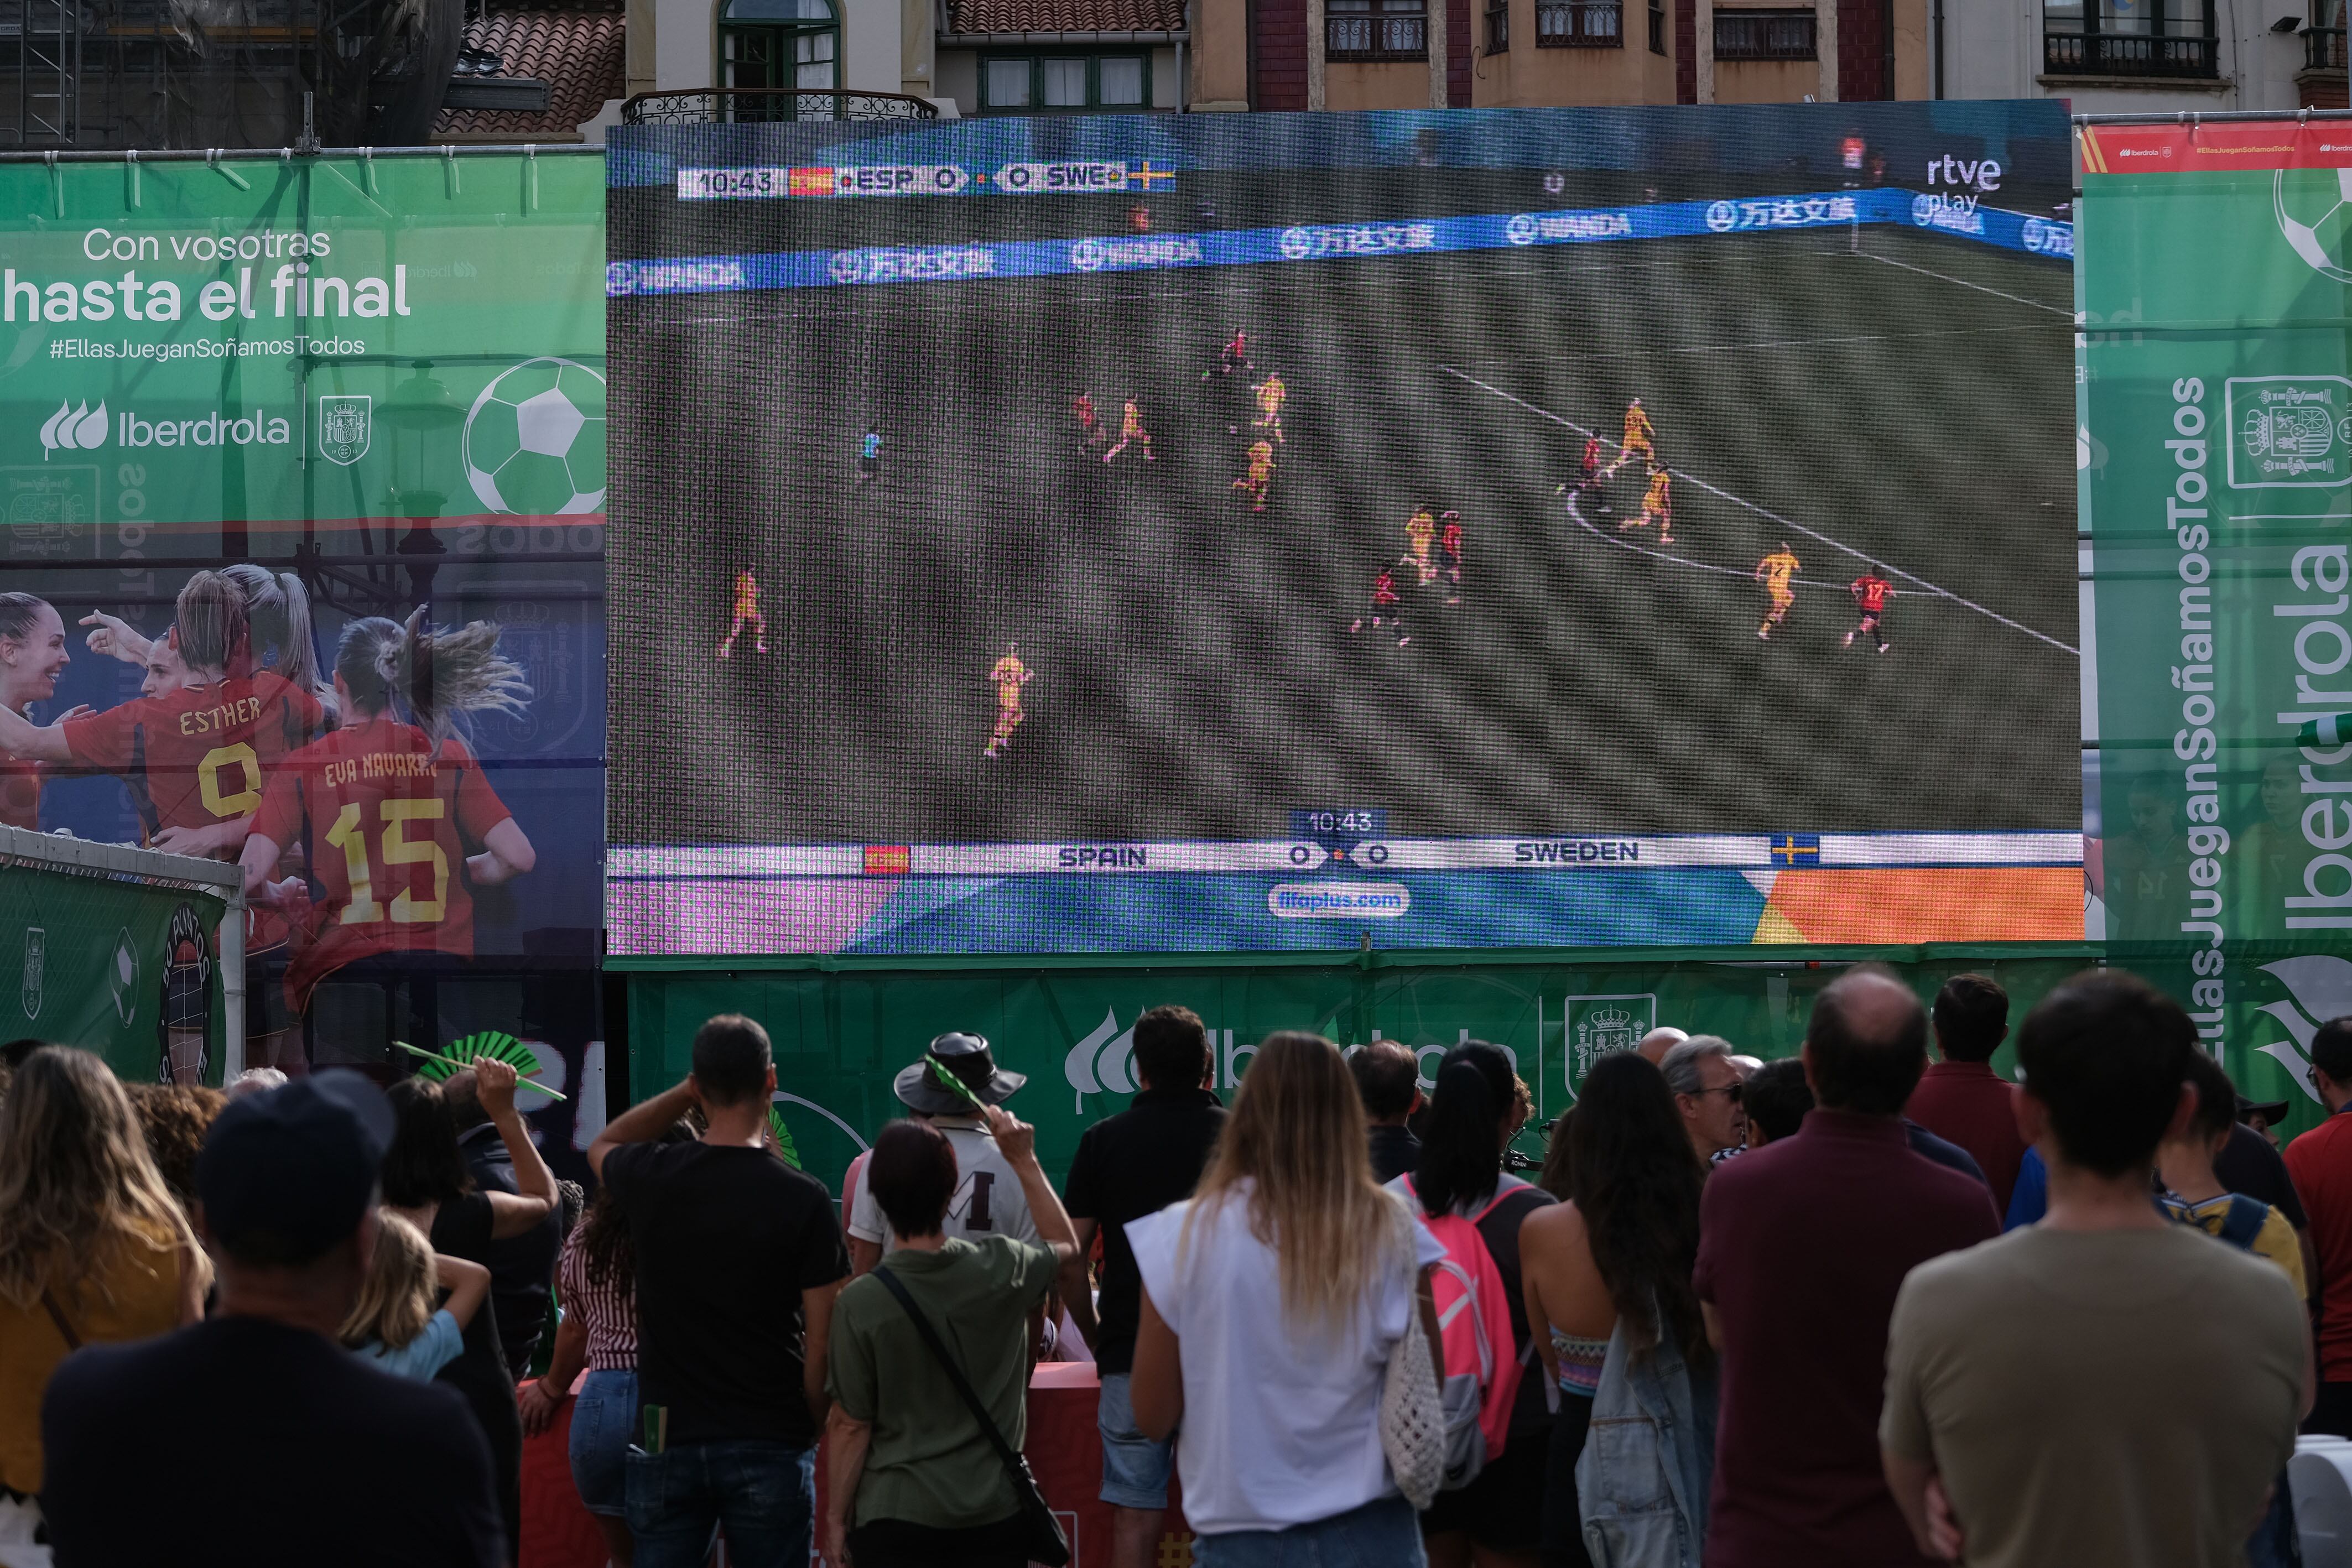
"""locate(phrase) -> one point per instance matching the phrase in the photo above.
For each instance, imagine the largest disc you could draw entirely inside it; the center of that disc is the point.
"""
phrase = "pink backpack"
(1474, 1329)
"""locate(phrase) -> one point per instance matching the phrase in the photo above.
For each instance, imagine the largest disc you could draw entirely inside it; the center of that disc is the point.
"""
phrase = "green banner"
(95, 960)
(840, 1038)
(2215, 450)
(201, 345)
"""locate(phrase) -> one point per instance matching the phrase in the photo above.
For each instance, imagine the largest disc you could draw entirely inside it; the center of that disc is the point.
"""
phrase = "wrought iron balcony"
(742, 105)
(2129, 55)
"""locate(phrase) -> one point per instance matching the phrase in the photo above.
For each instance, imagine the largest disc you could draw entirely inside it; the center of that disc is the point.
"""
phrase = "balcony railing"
(2128, 55)
(737, 105)
(1375, 38)
(2323, 48)
(1579, 25)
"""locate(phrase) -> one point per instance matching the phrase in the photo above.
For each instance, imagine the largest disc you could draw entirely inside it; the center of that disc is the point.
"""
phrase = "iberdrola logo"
(1104, 1061)
(2322, 988)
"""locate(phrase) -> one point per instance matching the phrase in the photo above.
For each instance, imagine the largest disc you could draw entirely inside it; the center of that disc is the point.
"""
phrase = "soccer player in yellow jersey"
(1773, 572)
(1638, 437)
(1131, 428)
(1271, 395)
(1008, 676)
(1656, 503)
(747, 607)
(1261, 470)
(1420, 529)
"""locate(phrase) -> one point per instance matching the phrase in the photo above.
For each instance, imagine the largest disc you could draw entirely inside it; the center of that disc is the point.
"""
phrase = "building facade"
(2137, 57)
(1042, 57)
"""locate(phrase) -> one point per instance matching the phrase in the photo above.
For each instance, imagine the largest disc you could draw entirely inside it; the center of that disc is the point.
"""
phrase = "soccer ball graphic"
(535, 440)
(2310, 204)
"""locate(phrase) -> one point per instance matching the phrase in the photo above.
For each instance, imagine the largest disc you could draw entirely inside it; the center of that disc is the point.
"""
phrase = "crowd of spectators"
(1747, 1314)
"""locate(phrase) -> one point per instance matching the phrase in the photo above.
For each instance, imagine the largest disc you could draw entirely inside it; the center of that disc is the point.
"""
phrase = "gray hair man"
(1706, 1087)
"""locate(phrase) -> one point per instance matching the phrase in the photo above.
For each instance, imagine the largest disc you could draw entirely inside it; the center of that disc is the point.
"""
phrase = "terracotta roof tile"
(1064, 15)
(581, 55)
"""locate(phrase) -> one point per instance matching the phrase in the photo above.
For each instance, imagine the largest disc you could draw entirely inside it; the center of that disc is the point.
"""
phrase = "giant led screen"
(1628, 527)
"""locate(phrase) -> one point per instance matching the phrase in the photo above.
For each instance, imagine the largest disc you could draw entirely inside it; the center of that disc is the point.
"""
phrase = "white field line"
(1964, 283)
(1598, 532)
(1781, 343)
(1773, 516)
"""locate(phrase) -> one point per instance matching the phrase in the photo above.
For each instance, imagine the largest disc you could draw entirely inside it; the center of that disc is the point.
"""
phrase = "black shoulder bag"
(1046, 1544)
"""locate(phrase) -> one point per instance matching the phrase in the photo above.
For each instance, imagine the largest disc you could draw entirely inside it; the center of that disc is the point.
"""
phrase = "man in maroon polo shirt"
(2320, 1161)
(1960, 1099)
(1802, 1246)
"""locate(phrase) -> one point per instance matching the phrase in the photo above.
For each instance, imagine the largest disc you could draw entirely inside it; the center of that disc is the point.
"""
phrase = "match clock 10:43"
(1327, 823)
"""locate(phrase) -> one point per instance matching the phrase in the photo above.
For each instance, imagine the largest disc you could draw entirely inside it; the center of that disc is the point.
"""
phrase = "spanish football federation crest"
(2289, 432)
(345, 422)
(1597, 1025)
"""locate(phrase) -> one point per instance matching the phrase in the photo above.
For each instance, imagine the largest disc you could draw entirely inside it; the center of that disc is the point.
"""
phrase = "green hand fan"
(438, 1067)
(783, 1135)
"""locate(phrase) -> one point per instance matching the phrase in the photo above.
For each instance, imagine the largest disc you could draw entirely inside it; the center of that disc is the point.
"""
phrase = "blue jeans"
(1135, 1468)
(762, 1494)
(1381, 1534)
(603, 1423)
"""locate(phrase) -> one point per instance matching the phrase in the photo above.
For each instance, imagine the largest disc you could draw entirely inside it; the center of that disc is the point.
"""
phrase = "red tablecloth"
(557, 1532)
(1063, 1448)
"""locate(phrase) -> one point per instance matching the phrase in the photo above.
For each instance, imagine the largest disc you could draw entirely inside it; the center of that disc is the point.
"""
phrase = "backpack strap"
(2245, 1220)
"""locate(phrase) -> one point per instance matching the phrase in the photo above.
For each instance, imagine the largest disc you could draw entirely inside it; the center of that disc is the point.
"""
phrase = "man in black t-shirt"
(736, 1253)
(152, 1448)
(1136, 1162)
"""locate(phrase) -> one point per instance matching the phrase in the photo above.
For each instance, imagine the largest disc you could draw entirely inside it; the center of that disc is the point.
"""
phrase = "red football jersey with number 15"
(386, 820)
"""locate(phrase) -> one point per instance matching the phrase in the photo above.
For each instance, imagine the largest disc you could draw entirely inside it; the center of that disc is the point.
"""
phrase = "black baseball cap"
(286, 1174)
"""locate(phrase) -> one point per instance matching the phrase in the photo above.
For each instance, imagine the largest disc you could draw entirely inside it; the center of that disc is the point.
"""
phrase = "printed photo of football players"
(395, 818)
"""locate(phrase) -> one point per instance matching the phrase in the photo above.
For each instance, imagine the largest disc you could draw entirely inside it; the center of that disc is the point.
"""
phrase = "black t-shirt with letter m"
(727, 1238)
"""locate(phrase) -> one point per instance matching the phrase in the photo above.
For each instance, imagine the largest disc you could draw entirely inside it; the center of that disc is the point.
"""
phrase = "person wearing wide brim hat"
(968, 1057)
(988, 1199)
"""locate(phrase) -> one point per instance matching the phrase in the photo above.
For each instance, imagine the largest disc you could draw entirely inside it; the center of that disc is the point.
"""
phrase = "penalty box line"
(1775, 517)
(1589, 526)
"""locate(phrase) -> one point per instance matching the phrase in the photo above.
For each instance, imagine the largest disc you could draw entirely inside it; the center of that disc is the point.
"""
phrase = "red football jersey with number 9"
(386, 820)
(197, 755)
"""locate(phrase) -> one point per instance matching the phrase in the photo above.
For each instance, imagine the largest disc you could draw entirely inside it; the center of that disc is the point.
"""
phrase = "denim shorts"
(1135, 1468)
(1384, 1533)
(603, 1420)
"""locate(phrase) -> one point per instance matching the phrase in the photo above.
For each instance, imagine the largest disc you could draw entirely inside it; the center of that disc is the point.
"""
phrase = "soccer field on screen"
(1863, 397)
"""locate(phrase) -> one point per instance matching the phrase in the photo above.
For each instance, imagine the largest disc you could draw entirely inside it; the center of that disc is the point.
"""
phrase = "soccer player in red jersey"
(1872, 591)
(1090, 424)
(1235, 356)
(396, 818)
(32, 655)
(1588, 473)
(1449, 556)
(1386, 606)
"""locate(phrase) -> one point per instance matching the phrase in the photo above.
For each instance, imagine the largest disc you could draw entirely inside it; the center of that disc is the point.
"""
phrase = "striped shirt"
(610, 1310)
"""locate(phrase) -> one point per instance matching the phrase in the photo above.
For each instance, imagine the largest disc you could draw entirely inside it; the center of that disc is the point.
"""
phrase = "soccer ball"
(534, 441)
(2310, 205)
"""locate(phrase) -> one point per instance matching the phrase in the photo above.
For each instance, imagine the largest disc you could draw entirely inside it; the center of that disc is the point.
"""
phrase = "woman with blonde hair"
(92, 1247)
(1273, 1299)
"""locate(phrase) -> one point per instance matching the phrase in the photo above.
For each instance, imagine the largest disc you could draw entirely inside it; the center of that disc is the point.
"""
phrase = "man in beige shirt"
(2104, 1389)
